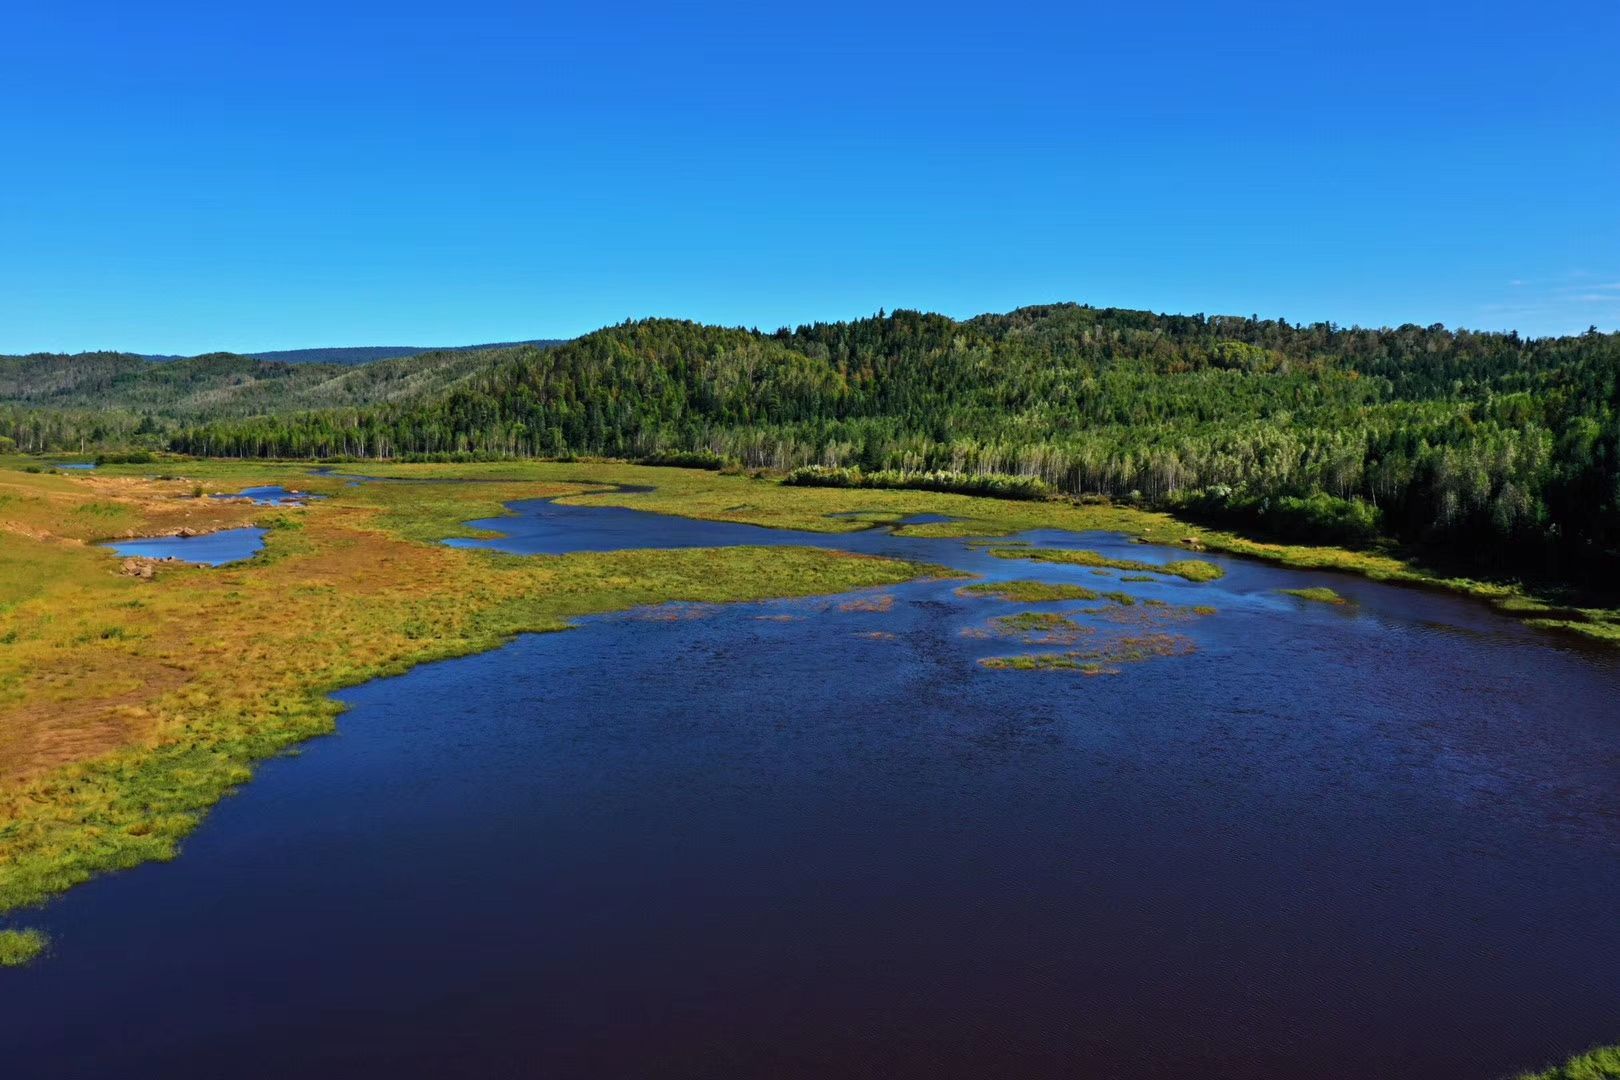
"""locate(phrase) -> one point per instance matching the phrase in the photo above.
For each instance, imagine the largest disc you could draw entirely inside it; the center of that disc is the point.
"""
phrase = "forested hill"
(349, 355)
(226, 384)
(1448, 437)
(1488, 442)
(366, 354)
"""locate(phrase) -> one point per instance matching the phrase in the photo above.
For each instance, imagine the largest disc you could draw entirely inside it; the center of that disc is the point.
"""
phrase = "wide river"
(816, 838)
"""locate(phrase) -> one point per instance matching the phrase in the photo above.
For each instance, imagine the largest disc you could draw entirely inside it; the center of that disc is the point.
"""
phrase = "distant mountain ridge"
(362, 354)
(228, 384)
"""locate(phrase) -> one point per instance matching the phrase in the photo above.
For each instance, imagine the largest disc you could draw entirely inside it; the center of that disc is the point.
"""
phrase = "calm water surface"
(269, 495)
(809, 839)
(207, 549)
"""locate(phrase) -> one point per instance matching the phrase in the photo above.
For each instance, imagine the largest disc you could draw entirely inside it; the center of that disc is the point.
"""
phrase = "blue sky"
(188, 177)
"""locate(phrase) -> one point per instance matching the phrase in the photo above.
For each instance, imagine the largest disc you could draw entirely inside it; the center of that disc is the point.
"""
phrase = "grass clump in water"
(1028, 592)
(1318, 594)
(1190, 569)
(1101, 660)
(1194, 570)
(18, 947)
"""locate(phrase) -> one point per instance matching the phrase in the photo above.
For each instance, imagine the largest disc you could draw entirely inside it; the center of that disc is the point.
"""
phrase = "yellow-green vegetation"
(1319, 595)
(1103, 659)
(129, 704)
(1039, 628)
(1191, 569)
(17, 947)
(1026, 621)
(1600, 1064)
(1028, 592)
(762, 501)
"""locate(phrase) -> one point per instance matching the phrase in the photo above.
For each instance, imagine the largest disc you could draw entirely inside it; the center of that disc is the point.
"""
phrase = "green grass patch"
(1029, 621)
(1319, 594)
(1028, 592)
(18, 947)
(1194, 570)
(1190, 569)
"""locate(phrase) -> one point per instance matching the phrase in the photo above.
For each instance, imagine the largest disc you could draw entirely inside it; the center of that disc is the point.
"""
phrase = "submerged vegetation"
(1028, 592)
(1104, 658)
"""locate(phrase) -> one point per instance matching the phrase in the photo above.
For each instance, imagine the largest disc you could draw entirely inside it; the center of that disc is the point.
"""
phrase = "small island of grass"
(1320, 594)
(1027, 592)
(18, 947)
(1191, 569)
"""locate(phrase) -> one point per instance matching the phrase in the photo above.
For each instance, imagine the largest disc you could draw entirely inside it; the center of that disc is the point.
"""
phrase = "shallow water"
(814, 838)
(269, 495)
(208, 549)
(77, 465)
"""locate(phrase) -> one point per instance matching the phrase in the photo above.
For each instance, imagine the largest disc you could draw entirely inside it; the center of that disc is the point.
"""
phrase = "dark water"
(209, 549)
(759, 841)
(269, 495)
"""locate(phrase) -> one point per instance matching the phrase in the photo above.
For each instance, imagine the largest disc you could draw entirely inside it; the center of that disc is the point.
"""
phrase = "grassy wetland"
(131, 704)
(134, 694)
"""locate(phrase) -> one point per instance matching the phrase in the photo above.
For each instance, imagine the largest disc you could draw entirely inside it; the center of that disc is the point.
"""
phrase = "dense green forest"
(1484, 445)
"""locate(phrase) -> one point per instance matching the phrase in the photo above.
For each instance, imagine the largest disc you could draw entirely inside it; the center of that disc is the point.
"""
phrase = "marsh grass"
(18, 947)
(1028, 592)
(1105, 658)
(1317, 595)
(1038, 628)
(1191, 569)
(129, 707)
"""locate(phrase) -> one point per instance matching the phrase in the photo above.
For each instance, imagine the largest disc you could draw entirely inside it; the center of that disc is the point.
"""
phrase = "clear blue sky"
(186, 177)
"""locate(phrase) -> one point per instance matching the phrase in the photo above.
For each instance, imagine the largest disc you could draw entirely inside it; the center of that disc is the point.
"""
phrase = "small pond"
(207, 549)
